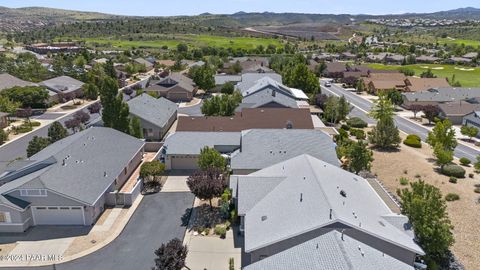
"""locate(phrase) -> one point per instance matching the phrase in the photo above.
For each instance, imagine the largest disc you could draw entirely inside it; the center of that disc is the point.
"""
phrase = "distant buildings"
(44, 48)
(175, 87)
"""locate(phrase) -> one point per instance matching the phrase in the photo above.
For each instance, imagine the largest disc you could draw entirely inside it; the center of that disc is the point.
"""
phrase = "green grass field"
(467, 42)
(191, 40)
(468, 78)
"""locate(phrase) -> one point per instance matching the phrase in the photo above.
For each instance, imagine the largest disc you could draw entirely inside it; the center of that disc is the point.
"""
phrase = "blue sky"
(193, 7)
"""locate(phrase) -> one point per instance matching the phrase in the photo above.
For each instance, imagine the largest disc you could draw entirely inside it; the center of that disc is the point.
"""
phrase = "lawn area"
(468, 77)
(467, 42)
(191, 40)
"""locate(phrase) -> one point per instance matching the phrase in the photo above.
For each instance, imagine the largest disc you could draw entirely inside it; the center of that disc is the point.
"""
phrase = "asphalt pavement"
(362, 106)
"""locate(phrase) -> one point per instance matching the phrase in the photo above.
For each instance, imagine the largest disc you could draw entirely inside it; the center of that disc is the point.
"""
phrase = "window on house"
(3, 217)
(33, 192)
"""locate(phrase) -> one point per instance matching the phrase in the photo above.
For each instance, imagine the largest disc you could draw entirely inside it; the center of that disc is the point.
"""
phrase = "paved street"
(158, 219)
(194, 110)
(362, 106)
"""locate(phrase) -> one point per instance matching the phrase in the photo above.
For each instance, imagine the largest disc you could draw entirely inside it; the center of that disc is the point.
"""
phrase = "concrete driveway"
(177, 181)
(159, 218)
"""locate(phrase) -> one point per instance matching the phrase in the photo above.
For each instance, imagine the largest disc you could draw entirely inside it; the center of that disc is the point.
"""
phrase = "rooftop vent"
(105, 174)
(264, 218)
(301, 197)
(343, 193)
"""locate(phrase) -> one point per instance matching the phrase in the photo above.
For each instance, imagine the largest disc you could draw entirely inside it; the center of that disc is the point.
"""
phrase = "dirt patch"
(6, 248)
(413, 163)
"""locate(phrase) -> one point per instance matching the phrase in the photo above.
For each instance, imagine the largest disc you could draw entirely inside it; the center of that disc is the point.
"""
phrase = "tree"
(28, 96)
(95, 108)
(207, 184)
(90, 91)
(360, 157)
(330, 112)
(150, 173)
(56, 132)
(431, 112)
(8, 106)
(477, 164)
(385, 134)
(415, 108)
(300, 77)
(395, 97)
(182, 48)
(442, 134)
(109, 69)
(36, 145)
(211, 158)
(115, 113)
(428, 74)
(73, 124)
(444, 157)
(343, 109)
(426, 210)
(469, 131)
(221, 106)
(82, 116)
(171, 256)
(227, 88)
(136, 129)
(350, 81)
(204, 77)
(360, 86)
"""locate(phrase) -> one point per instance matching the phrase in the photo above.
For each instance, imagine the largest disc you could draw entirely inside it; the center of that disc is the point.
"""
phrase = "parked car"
(328, 84)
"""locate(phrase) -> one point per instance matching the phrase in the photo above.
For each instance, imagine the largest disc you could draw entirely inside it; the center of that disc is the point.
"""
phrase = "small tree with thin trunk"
(415, 108)
(209, 157)
(431, 112)
(57, 132)
(36, 145)
(207, 184)
(469, 131)
(171, 256)
(360, 157)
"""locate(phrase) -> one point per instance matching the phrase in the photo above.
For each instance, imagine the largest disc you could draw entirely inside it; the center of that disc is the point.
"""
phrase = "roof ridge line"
(318, 183)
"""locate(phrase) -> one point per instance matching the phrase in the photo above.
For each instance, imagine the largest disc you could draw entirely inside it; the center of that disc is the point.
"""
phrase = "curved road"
(362, 106)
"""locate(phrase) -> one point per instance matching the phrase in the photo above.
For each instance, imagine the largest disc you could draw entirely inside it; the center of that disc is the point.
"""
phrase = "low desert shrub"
(450, 197)
(413, 140)
(453, 170)
(357, 122)
(465, 161)
(220, 230)
(452, 180)
(403, 181)
(358, 133)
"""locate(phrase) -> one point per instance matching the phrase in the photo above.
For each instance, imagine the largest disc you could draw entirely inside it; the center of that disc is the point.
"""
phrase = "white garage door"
(184, 163)
(58, 215)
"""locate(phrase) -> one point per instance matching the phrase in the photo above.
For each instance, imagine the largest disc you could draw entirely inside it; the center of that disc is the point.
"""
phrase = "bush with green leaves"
(450, 197)
(413, 140)
(465, 161)
(452, 179)
(357, 122)
(3, 136)
(345, 127)
(403, 181)
(358, 133)
(453, 170)
(220, 230)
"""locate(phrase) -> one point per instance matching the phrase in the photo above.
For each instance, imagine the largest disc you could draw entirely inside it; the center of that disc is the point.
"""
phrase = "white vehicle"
(328, 84)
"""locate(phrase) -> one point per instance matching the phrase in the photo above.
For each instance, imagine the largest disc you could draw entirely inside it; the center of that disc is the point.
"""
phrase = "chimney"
(301, 197)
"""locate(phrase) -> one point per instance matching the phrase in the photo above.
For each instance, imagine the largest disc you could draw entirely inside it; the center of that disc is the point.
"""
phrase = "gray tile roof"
(88, 156)
(150, 109)
(222, 79)
(329, 251)
(63, 84)
(190, 143)
(443, 94)
(262, 98)
(310, 197)
(264, 147)
(9, 81)
(142, 61)
(250, 79)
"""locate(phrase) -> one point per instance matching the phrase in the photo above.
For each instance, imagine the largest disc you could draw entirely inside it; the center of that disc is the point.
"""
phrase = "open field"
(413, 163)
(467, 77)
(191, 40)
(467, 42)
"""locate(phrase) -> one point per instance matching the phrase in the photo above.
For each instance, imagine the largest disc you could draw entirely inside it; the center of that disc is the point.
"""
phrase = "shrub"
(471, 175)
(345, 127)
(413, 140)
(453, 170)
(231, 264)
(358, 133)
(465, 161)
(450, 197)
(452, 180)
(221, 230)
(34, 123)
(356, 122)
(403, 181)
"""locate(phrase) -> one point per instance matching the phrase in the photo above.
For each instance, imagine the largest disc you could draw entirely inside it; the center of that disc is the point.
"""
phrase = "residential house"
(166, 63)
(326, 57)
(148, 65)
(376, 58)
(456, 111)
(69, 182)
(248, 64)
(377, 82)
(175, 87)
(348, 56)
(471, 55)
(458, 60)
(428, 59)
(8, 81)
(156, 115)
(436, 96)
(472, 120)
(396, 59)
(304, 213)
(250, 79)
(248, 150)
(248, 118)
(261, 148)
(181, 150)
(269, 93)
(63, 87)
(335, 70)
(415, 84)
